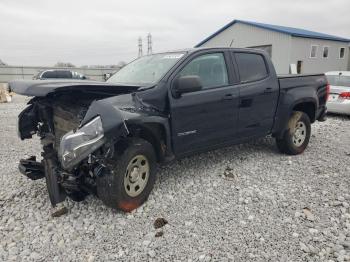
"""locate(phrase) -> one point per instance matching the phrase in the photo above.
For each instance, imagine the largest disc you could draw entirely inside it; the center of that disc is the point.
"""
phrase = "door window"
(251, 67)
(210, 68)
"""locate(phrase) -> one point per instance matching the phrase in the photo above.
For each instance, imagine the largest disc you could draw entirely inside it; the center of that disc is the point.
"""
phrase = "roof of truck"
(195, 49)
(281, 29)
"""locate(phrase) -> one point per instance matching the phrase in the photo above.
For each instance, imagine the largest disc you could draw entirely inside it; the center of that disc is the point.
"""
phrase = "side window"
(64, 74)
(49, 74)
(251, 67)
(211, 68)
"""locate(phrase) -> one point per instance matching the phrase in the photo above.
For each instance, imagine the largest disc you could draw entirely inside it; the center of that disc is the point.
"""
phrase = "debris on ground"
(160, 222)
(58, 211)
(229, 174)
(308, 214)
(159, 234)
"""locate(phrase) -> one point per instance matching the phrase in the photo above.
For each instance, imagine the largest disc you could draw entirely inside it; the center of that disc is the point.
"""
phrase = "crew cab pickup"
(106, 138)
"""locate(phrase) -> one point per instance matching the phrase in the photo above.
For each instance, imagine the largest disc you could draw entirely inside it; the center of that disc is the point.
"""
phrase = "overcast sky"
(90, 32)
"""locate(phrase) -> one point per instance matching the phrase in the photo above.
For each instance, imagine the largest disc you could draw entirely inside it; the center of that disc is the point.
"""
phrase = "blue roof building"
(290, 48)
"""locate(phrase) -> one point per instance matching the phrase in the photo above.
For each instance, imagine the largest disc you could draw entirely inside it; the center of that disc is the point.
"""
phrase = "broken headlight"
(77, 145)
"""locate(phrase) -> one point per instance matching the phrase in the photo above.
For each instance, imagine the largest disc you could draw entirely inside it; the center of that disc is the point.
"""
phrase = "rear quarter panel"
(299, 89)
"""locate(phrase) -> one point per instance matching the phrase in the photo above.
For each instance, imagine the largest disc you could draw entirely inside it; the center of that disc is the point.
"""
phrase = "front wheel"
(129, 177)
(297, 136)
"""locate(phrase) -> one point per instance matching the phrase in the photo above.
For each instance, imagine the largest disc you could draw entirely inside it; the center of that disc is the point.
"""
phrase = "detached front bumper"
(31, 168)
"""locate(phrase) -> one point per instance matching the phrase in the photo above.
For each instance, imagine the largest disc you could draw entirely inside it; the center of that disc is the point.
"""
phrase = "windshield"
(146, 70)
(339, 80)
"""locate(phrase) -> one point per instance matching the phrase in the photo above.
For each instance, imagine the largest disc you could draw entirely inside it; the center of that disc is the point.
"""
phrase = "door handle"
(227, 97)
(268, 90)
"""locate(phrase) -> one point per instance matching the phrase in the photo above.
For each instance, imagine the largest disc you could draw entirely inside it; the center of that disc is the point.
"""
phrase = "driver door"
(205, 118)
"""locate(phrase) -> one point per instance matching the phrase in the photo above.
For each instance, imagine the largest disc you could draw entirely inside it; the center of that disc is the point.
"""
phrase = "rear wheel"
(297, 136)
(129, 177)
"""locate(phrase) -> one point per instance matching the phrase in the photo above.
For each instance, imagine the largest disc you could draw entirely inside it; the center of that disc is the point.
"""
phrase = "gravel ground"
(242, 203)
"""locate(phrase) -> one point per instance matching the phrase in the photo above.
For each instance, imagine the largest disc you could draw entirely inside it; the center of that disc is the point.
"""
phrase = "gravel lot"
(243, 203)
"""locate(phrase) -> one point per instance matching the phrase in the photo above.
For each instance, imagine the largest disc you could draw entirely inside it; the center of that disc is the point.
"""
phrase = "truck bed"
(313, 81)
(296, 75)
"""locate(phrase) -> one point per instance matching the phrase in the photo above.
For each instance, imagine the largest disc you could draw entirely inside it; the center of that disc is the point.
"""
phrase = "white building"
(290, 48)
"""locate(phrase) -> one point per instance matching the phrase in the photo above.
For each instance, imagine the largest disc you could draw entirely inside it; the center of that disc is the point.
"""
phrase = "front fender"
(120, 112)
(112, 118)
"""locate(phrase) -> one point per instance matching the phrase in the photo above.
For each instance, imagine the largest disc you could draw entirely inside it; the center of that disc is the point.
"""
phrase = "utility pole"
(140, 47)
(149, 44)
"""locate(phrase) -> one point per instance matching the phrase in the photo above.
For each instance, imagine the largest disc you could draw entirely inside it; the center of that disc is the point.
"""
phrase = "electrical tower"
(149, 44)
(140, 47)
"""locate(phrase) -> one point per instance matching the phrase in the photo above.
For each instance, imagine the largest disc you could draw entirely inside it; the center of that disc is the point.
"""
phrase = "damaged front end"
(77, 137)
(65, 145)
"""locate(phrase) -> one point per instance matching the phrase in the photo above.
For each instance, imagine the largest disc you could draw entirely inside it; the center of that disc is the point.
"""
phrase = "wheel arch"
(307, 106)
(156, 133)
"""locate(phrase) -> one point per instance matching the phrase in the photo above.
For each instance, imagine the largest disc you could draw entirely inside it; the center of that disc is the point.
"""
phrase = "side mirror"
(186, 84)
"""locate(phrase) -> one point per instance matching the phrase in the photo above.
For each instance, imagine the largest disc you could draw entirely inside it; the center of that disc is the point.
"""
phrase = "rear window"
(339, 80)
(251, 67)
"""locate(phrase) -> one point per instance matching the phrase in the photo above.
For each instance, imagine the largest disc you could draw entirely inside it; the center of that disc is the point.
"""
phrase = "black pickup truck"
(106, 138)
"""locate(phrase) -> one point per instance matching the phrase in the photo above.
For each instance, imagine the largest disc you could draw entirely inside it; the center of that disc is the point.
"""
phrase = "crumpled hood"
(41, 88)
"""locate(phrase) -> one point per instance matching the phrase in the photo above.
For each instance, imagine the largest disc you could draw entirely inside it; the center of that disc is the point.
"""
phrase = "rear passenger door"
(259, 92)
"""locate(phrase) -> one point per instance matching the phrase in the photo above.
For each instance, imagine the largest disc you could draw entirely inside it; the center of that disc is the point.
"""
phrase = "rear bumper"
(341, 107)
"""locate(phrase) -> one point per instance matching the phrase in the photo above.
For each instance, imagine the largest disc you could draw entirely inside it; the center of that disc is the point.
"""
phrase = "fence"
(9, 73)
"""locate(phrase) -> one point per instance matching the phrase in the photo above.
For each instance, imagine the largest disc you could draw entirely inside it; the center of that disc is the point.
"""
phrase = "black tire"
(290, 145)
(110, 185)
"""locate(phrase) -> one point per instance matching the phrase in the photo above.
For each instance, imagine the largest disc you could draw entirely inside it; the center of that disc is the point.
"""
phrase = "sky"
(104, 32)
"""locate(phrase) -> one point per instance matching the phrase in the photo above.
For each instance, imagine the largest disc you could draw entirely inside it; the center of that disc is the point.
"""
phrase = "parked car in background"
(339, 98)
(59, 74)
